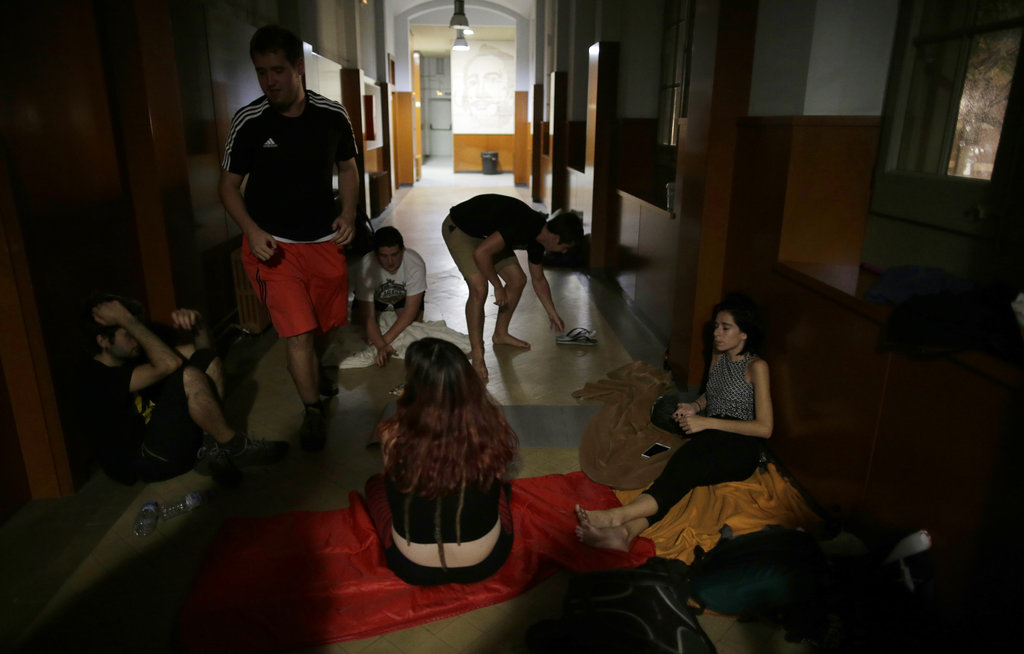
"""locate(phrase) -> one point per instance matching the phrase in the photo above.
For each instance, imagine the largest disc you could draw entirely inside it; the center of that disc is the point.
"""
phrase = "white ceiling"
(436, 40)
(524, 7)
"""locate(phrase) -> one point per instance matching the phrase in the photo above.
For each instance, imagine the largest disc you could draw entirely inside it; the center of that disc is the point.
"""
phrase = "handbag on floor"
(640, 611)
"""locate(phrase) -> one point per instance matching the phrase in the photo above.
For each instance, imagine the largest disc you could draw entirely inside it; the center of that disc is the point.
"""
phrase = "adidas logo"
(269, 143)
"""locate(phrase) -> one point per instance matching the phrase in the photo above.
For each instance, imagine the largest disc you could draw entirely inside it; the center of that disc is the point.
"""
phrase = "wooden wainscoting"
(467, 148)
(522, 153)
(539, 150)
(405, 155)
(647, 269)
(890, 443)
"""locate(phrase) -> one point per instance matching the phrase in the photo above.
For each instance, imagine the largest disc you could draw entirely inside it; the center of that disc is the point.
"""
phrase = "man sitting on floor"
(390, 288)
(391, 278)
(145, 405)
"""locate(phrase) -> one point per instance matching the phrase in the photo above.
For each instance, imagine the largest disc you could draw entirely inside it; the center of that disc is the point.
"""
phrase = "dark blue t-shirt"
(515, 220)
(290, 163)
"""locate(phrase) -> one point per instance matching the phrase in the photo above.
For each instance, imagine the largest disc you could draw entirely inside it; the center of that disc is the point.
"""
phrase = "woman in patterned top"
(725, 425)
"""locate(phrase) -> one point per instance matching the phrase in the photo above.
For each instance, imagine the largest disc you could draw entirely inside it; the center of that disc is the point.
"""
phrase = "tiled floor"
(74, 578)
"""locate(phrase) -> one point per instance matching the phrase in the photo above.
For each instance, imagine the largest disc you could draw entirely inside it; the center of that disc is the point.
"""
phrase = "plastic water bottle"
(915, 543)
(184, 504)
(908, 546)
(145, 521)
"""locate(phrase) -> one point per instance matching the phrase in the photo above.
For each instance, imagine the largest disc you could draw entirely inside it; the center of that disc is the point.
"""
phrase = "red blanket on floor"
(304, 579)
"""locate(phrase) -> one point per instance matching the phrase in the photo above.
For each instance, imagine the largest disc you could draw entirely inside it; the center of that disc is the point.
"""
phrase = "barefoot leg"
(618, 538)
(509, 339)
(475, 322)
(597, 517)
(480, 367)
(608, 538)
(581, 514)
(515, 282)
(642, 506)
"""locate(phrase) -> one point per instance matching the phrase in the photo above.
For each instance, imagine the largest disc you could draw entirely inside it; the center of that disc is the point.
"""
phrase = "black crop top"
(479, 514)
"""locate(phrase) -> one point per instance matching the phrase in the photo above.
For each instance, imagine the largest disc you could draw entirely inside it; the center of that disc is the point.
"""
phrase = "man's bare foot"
(480, 368)
(508, 339)
(597, 518)
(609, 538)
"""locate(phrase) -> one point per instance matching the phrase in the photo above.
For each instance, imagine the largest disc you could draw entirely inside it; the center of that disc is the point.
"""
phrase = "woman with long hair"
(441, 507)
(726, 426)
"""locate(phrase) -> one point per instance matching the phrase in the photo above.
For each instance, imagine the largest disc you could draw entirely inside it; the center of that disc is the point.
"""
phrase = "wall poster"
(483, 88)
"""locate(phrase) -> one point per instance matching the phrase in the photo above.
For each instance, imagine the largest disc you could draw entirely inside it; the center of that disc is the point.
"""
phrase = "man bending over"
(482, 234)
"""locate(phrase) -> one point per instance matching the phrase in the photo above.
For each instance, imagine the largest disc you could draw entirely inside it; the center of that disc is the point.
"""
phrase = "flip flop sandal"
(577, 336)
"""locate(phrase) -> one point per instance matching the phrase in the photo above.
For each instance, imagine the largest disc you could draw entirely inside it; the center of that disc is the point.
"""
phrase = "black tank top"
(479, 514)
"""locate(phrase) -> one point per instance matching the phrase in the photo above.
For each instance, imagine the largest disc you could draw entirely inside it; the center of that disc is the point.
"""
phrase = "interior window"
(949, 111)
(675, 66)
(979, 123)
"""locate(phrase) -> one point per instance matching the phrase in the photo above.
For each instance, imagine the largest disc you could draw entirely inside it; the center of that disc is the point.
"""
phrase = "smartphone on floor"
(657, 448)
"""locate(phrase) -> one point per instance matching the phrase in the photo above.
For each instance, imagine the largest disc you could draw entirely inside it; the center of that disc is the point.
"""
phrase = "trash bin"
(490, 162)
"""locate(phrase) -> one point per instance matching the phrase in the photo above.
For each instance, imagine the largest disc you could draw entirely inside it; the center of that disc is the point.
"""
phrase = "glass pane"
(983, 103)
(672, 11)
(667, 116)
(990, 11)
(682, 51)
(669, 46)
(942, 16)
(931, 100)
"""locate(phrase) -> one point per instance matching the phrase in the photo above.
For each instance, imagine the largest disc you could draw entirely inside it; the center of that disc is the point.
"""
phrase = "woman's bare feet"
(609, 538)
(509, 339)
(597, 518)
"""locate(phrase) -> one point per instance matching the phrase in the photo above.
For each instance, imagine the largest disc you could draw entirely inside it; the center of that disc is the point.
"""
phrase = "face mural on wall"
(483, 89)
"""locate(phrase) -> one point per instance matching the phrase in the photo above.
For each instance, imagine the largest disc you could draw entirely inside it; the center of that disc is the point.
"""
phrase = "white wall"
(850, 55)
(583, 20)
(822, 57)
(643, 27)
(782, 49)
(479, 12)
(367, 39)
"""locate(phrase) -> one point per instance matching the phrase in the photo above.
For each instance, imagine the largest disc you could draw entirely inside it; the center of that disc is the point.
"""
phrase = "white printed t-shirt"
(389, 290)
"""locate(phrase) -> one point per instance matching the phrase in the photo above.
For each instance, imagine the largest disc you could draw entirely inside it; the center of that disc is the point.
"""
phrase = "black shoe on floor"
(328, 388)
(259, 452)
(313, 434)
(214, 461)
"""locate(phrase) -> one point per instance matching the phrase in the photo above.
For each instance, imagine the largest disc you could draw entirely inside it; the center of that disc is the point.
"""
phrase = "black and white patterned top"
(729, 394)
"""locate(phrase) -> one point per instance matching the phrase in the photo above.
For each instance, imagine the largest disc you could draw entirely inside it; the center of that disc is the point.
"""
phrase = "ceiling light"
(460, 42)
(459, 20)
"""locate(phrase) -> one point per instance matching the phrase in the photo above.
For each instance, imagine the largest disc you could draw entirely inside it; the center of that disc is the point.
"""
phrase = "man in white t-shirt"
(391, 278)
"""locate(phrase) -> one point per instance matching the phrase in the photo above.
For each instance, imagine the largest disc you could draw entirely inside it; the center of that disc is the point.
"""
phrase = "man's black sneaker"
(328, 388)
(214, 461)
(313, 434)
(259, 452)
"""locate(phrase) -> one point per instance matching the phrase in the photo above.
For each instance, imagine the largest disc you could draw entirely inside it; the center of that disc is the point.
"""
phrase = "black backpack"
(758, 574)
(640, 611)
(932, 326)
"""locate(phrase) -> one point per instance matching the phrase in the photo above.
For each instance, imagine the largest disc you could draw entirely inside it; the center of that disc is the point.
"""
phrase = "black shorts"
(172, 439)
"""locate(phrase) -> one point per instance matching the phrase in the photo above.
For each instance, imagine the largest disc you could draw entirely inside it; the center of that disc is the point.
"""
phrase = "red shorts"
(304, 285)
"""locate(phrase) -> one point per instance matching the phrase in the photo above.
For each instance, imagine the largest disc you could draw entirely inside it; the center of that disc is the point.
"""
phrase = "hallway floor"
(73, 577)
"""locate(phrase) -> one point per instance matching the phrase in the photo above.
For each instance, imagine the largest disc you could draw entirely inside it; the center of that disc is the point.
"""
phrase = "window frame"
(974, 207)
